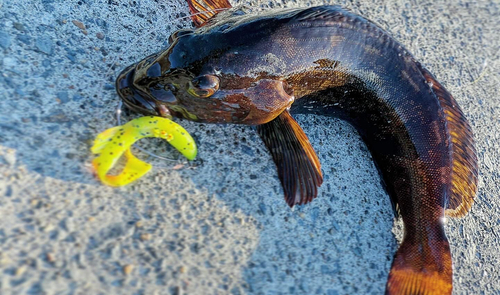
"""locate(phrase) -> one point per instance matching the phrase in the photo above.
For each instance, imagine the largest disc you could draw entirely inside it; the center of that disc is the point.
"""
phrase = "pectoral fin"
(298, 165)
(203, 10)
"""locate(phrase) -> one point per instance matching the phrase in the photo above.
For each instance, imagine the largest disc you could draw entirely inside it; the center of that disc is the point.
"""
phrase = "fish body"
(257, 70)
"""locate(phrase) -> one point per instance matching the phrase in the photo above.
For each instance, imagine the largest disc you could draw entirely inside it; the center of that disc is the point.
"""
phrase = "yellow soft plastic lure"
(115, 142)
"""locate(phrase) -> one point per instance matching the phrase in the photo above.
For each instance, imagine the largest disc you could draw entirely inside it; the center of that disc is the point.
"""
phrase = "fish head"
(206, 77)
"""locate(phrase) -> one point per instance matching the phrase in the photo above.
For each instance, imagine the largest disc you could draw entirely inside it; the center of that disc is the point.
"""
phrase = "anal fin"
(203, 10)
(298, 165)
(464, 158)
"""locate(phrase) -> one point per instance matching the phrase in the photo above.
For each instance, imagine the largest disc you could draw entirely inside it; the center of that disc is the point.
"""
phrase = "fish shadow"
(341, 243)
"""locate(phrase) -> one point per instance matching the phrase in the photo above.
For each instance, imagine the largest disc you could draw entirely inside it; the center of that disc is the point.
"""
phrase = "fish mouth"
(131, 96)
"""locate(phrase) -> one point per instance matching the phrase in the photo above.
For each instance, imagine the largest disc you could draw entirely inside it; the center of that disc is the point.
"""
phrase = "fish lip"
(143, 103)
(139, 109)
(123, 74)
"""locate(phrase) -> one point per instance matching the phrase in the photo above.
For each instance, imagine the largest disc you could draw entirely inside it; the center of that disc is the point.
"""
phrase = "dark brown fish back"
(464, 158)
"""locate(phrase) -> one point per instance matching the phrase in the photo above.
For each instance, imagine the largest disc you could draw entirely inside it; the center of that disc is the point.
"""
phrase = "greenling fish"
(258, 69)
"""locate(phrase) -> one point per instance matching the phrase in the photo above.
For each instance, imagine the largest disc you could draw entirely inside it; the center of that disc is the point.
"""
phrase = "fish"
(260, 68)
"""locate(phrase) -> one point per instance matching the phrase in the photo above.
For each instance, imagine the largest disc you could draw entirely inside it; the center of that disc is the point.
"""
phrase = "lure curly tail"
(115, 142)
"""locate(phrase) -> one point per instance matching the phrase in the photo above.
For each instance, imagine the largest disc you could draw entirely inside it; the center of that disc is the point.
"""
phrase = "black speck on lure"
(257, 69)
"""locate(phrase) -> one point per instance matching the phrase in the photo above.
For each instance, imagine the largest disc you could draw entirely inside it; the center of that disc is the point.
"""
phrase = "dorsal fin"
(203, 10)
(464, 158)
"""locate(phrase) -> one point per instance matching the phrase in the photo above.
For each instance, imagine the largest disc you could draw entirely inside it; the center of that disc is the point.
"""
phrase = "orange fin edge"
(299, 169)
(464, 158)
(415, 273)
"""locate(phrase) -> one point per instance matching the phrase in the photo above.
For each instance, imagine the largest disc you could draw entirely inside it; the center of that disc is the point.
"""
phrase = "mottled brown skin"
(325, 60)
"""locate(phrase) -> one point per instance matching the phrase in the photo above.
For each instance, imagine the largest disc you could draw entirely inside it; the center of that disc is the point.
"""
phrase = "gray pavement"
(218, 225)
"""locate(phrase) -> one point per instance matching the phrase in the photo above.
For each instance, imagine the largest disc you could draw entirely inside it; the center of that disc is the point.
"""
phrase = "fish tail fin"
(421, 269)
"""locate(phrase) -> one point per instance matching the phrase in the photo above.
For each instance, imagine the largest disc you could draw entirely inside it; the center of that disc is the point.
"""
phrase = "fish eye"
(204, 86)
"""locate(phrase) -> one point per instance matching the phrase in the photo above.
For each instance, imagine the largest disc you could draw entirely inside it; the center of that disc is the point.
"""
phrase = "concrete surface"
(218, 225)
